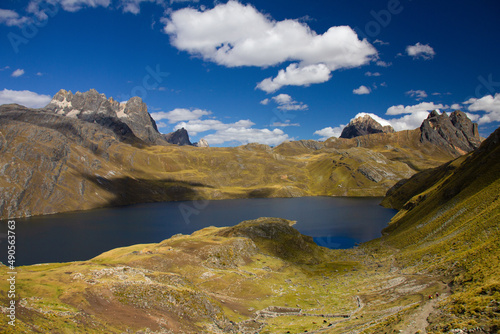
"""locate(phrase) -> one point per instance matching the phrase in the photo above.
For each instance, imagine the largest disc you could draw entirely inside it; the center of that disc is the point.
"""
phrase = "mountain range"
(85, 151)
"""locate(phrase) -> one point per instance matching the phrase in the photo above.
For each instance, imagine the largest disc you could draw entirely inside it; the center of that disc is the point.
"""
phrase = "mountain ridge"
(96, 108)
(84, 151)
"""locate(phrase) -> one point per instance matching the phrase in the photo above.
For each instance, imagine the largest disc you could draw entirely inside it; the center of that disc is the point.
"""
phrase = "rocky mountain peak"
(456, 131)
(93, 107)
(178, 137)
(364, 125)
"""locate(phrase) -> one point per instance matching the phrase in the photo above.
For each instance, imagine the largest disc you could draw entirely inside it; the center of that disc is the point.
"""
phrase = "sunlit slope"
(215, 280)
(261, 276)
(449, 224)
(51, 163)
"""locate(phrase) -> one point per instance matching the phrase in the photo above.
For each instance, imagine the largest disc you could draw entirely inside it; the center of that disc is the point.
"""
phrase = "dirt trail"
(419, 322)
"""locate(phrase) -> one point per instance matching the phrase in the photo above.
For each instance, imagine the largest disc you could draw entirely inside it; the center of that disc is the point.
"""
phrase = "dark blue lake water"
(334, 222)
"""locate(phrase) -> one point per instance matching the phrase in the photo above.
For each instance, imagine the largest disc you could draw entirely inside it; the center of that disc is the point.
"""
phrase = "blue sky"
(259, 71)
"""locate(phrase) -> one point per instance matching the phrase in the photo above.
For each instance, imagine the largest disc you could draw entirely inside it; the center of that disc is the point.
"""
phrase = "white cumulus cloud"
(134, 6)
(247, 135)
(24, 97)
(76, 5)
(418, 50)
(233, 34)
(378, 41)
(490, 104)
(240, 132)
(202, 125)
(362, 90)
(40, 8)
(180, 114)
(409, 122)
(284, 124)
(382, 63)
(423, 106)
(328, 132)
(286, 102)
(417, 94)
(17, 73)
(406, 122)
(415, 115)
(11, 18)
(296, 75)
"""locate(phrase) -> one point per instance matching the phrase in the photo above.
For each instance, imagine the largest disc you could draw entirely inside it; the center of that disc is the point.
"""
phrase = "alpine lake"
(333, 222)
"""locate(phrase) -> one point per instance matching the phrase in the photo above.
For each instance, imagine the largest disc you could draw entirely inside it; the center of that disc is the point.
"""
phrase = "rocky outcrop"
(201, 143)
(131, 116)
(276, 237)
(364, 125)
(455, 132)
(179, 137)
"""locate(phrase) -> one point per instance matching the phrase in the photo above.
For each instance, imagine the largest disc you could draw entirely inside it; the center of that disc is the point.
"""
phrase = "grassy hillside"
(450, 227)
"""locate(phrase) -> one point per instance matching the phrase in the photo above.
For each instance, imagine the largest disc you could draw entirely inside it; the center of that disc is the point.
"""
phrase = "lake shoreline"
(334, 222)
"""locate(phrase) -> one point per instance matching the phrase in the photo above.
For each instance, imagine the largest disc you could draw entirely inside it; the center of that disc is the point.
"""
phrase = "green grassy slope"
(449, 225)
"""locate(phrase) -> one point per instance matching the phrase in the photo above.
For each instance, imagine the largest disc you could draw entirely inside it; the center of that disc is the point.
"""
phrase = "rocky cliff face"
(455, 132)
(93, 107)
(179, 137)
(364, 125)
